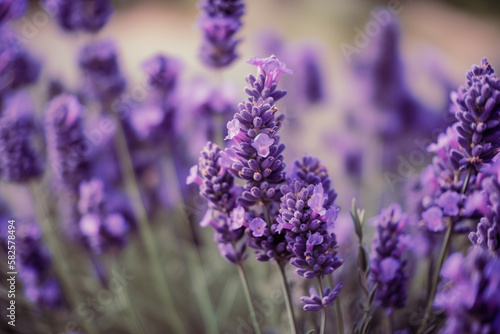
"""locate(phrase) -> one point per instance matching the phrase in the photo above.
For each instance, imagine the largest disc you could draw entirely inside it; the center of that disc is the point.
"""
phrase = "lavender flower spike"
(477, 105)
(227, 218)
(387, 267)
(19, 161)
(103, 77)
(69, 151)
(219, 22)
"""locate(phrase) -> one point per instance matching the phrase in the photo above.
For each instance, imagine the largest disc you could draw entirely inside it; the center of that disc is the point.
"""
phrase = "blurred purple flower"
(19, 160)
(219, 21)
(387, 266)
(470, 293)
(80, 15)
(103, 79)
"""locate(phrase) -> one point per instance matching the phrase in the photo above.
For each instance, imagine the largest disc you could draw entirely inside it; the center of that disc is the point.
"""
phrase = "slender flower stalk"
(248, 298)
(288, 298)
(323, 311)
(145, 232)
(338, 311)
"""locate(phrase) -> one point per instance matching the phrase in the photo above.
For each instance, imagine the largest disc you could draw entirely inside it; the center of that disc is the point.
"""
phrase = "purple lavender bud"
(487, 235)
(315, 303)
(69, 151)
(265, 85)
(217, 181)
(17, 67)
(34, 264)
(387, 267)
(99, 63)
(19, 160)
(219, 21)
(478, 109)
(470, 293)
(12, 10)
(80, 15)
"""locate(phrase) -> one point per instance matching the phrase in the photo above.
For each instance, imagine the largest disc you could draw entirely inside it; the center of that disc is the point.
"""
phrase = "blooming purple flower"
(233, 129)
(387, 267)
(470, 293)
(433, 217)
(193, 176)
(238, 218)
(163, 72)
(80, 15)
(19, 161)
(477, 113)
(315, 303)
(257, 226)
(12, 10)
(219, 22)
(449, 201)
(261, 144)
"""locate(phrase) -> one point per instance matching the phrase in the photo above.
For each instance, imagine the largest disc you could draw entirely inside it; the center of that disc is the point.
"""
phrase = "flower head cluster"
(487, 235)
(12, 10)
(220, 20)
(99, 63)
(217, 186)
(17, 67)
(19, 161)
(68, 149)
(315, 303)
(305, 219)
(387, 266)
(256, 156)
(80, 15)
(470, 293)
(34, 261)
(103, 223)
(477, 109)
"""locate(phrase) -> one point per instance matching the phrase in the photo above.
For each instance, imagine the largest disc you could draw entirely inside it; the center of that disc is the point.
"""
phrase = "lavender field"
(237, 166)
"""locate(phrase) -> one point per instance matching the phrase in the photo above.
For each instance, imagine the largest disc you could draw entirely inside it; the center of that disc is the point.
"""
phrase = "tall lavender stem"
(145, 228)
(442, 257)
(194, 265)
(248, 297)
(338, 310)
(323, 311)
(288, 298)
(60, 263)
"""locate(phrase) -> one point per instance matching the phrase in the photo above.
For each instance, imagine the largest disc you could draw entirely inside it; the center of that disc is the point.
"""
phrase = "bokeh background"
(436, 42)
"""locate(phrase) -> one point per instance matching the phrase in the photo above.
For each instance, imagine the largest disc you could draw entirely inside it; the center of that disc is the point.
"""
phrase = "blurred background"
(378, 96)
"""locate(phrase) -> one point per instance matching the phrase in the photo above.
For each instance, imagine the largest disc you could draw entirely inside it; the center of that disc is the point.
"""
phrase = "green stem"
(388, 323)
(323, 311)
(338, 310)
(288, 300)
(145, 230)
(60, 263)
(442, 256)
(194, 264)
(248, 297)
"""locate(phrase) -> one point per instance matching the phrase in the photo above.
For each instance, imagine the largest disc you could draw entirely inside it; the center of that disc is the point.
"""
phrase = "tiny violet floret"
(193, 176)
(271, 67)
(257, 226)
(238, 217)
(262, 144)
(233, 128)
(433, 217)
